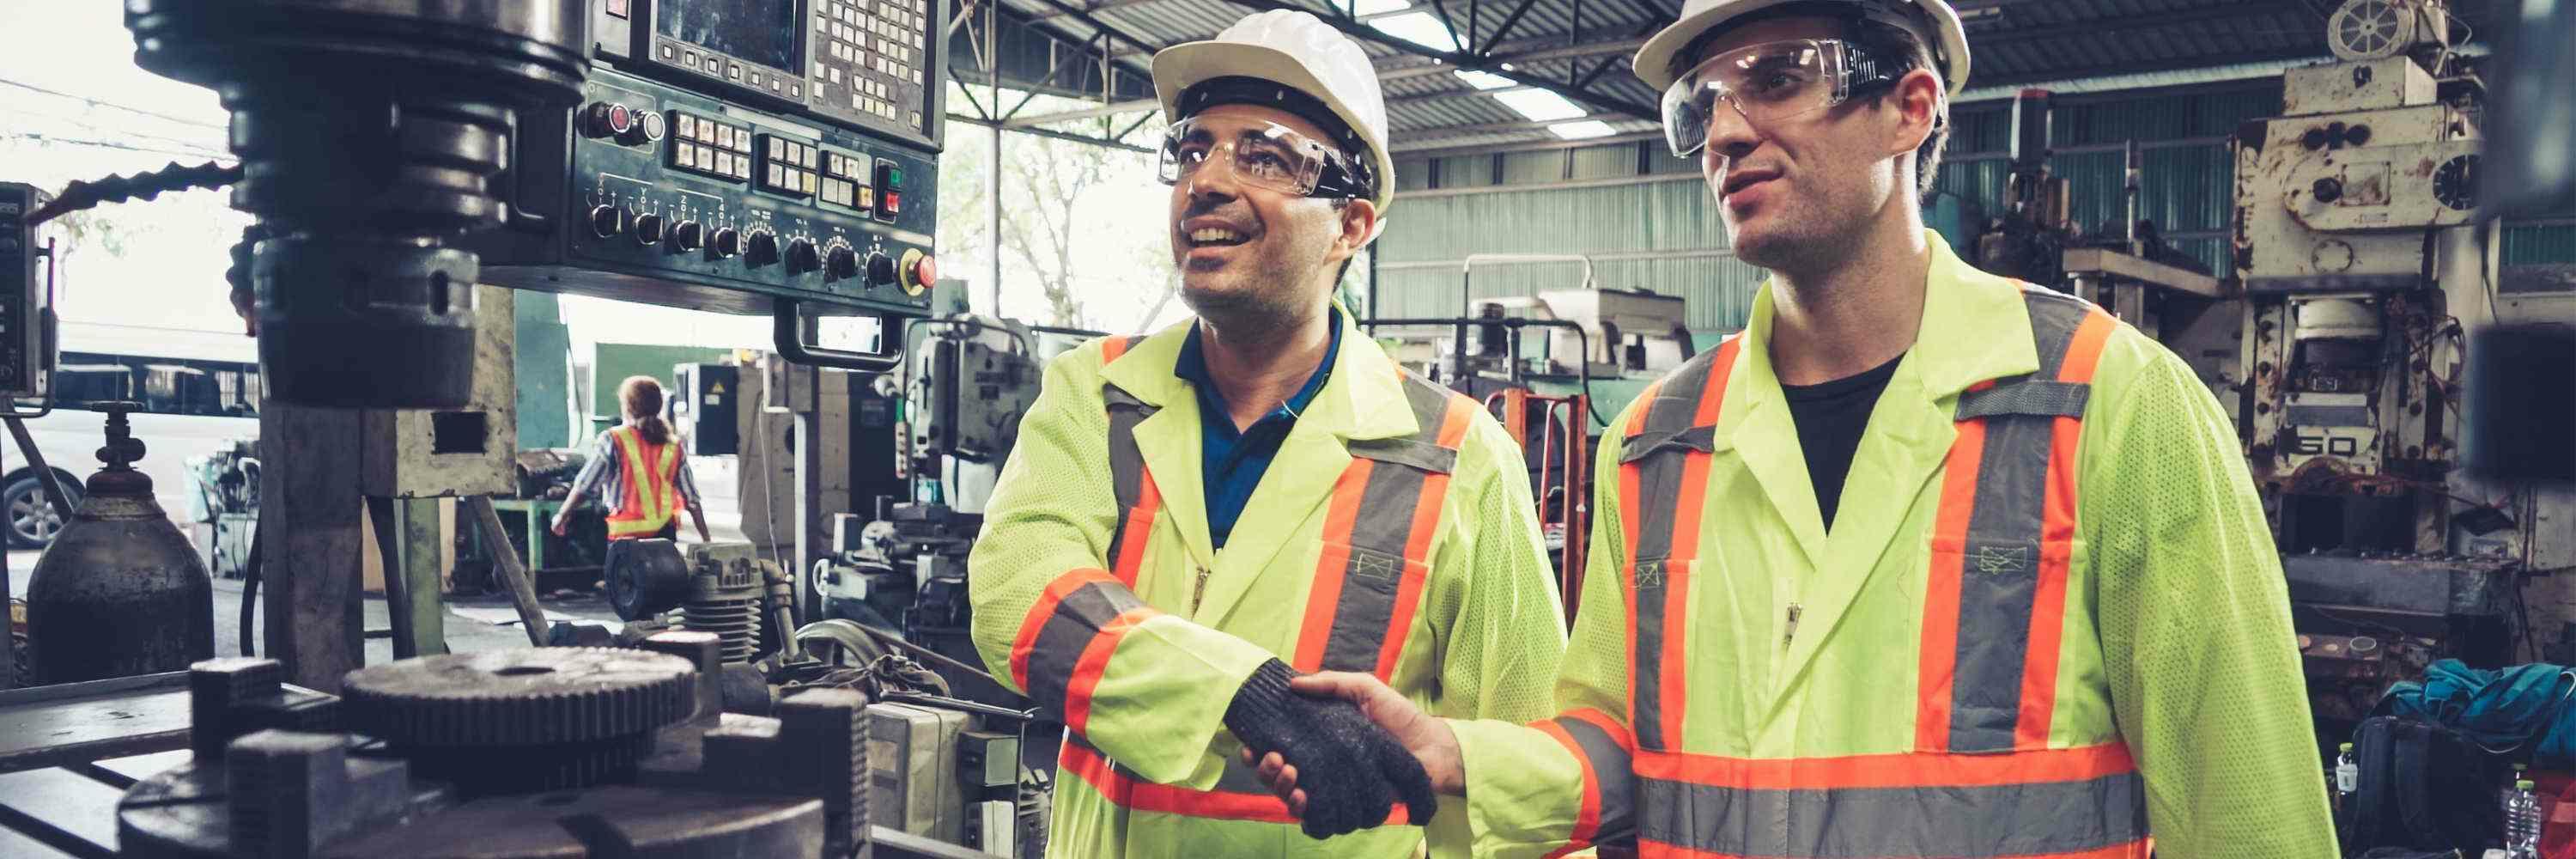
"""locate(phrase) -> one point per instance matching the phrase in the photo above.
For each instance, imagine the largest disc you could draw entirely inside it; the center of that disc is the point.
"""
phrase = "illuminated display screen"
(759, 31)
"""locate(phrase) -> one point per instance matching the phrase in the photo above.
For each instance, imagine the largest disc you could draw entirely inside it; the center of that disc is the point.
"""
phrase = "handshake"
(1342, 749)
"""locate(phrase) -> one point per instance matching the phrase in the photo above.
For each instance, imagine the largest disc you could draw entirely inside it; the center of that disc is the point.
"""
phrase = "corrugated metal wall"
(1657, 232)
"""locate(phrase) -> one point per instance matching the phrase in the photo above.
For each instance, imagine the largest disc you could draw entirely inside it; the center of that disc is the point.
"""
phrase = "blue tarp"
(2504, 710)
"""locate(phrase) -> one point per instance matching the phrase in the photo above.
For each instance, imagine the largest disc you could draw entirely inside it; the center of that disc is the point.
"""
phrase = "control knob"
(801, 256)
(607, 221)
(648, 229)
(686, 236)
(761, 250)
(841, 263)
(726, 243)
(880, 269)
(645, 127)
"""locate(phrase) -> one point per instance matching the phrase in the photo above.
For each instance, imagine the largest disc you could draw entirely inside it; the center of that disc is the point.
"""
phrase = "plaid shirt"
(606, 473)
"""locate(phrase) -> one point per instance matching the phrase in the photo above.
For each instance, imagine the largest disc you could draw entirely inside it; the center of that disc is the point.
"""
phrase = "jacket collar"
(1363, 399)
(1974, 328)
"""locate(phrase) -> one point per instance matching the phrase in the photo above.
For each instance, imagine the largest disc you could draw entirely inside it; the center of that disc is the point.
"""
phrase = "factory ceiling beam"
(1588, 49)
(1112, 109)
(2105, 26)
(1466, 61)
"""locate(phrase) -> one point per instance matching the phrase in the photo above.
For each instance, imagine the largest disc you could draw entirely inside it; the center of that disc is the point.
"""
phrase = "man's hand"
(559, 526)
(1355, 772)
(1428, 739)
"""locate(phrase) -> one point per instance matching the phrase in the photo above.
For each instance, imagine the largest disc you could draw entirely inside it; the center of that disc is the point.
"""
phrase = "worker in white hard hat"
(1924, 563)
(1193, 517)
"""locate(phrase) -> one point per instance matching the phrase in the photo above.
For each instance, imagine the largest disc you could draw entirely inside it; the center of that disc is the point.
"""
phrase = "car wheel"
(33, 521)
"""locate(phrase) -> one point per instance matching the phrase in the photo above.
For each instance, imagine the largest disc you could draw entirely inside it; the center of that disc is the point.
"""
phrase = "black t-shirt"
(1830, 417)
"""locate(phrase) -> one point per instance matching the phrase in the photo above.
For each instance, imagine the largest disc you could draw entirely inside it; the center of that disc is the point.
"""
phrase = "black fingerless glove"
(1353, 772)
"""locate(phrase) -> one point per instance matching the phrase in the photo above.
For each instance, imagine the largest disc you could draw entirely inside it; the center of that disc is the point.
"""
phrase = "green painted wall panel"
(543, 368)
(611, 363)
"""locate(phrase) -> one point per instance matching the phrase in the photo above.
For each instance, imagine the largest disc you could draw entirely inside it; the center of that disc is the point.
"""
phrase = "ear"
(1917, 99)
(1359, 227)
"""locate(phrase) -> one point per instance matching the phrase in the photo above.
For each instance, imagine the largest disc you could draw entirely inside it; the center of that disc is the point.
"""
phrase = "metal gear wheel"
(529, 697)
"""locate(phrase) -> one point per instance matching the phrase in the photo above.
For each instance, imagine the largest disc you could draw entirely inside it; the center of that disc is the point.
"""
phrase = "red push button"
(891, 202)
(926, 271)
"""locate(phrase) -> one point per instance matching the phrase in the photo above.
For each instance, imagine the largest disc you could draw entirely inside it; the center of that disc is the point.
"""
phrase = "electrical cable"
(111, 105)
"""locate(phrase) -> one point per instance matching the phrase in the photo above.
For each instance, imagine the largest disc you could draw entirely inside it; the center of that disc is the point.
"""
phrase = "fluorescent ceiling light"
(1378, 7)
(1420, 28)
(1539, 104)
(1581, 130)
(1484, 80)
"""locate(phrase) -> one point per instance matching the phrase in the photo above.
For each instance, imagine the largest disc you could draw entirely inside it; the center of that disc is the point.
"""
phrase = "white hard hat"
(1300, 52)
(1932, 21)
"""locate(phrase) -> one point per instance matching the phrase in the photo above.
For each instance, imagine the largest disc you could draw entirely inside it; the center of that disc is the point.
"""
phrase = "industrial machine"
(739, 156)
(2362, 264)
(544, 752)
(26, 294)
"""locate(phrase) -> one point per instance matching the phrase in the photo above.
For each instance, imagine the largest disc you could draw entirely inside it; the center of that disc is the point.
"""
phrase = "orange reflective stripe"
(1136, 794)
(1899, 770)
(1606, 785)
(2135, 850)
(1094, 661)
(1417, 546)
(1026, 642)
(2057, 540)
(1324, 598)
(1129, 553)
(1587, 814)
(1113, 347)
(1937, 658)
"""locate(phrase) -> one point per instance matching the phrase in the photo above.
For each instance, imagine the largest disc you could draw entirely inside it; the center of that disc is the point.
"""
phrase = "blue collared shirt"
(1230, 462)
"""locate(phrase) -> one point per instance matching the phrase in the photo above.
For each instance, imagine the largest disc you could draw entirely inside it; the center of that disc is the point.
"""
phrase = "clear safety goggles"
(1767, 83)
(1269, 156)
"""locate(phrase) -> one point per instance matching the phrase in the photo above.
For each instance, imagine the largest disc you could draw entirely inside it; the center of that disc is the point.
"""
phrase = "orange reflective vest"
(1982, 780)
(1368, 583)
(650, 475)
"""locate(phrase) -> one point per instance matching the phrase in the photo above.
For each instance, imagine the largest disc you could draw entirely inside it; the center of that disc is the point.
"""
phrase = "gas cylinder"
(120, 591)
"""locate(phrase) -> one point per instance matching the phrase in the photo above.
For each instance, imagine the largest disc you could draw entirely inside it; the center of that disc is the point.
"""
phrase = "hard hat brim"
(1653, 63)
(1179, 67)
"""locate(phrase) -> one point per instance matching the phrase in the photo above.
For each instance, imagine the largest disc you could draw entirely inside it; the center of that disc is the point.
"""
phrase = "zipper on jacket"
(1790, 632)
(1198, 590)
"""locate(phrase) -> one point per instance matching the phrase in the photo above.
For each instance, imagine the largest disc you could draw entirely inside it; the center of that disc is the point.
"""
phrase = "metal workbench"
(68, 752)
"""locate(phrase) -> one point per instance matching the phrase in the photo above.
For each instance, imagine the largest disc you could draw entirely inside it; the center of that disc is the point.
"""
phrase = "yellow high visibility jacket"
(1393, 533)
(2049, 620)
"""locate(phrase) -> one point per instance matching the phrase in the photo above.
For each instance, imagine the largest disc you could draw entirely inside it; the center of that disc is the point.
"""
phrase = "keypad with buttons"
(869, 59)
(703, 145)
(787, 166)
(845, 182)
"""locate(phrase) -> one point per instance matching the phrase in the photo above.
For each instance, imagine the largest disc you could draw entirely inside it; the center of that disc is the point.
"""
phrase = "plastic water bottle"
(2347, 776)
(2522, 823)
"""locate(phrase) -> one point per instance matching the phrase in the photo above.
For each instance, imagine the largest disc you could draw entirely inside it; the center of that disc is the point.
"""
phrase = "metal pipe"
(993, 48)
(1582, 368)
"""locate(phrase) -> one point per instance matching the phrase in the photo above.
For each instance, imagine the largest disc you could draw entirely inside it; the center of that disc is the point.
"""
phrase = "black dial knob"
(761, 250)
(841, 263)
(687, 235)
(606, 119)
(880, 269)
(607, 220)
(802, 257)
(648, 229)
(726, 243)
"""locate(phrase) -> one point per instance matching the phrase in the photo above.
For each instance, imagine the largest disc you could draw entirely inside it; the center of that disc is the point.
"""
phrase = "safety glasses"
(1767, 83)
(1269, 155)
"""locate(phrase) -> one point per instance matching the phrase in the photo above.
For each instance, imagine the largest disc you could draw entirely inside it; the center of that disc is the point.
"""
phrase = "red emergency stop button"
(920, 270)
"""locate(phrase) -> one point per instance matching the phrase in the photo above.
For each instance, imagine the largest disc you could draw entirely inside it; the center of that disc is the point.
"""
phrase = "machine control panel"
(26, 294)
(722, 208)
(870, 65)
